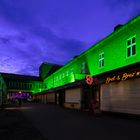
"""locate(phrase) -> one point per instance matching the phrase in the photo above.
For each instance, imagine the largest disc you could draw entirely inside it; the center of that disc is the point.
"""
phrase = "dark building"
(47, 69)
(20, 85)
(3, 91)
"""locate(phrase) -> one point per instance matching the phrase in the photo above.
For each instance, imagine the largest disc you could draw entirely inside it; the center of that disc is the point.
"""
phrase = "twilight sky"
(36, 31)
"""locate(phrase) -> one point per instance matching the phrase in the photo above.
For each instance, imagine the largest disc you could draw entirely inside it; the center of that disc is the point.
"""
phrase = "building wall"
(114, 48)
(44, 69)
(3, 90)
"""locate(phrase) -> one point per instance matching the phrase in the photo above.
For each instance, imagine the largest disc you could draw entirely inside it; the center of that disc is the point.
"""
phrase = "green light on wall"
(72, 78)
(80, 76)
(114, 48)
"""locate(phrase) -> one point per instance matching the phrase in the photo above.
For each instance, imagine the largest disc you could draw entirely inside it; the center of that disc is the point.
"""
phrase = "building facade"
(22, 86)
(108, 73)
(113, 68)
(3, 91)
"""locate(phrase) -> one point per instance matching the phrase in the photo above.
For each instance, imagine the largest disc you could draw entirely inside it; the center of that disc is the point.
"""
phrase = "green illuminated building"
(3, 91)
(111, 53)
(108, 73)
(113, 64)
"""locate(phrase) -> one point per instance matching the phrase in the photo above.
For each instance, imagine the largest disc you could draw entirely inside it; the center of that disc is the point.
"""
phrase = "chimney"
(117, 27)
(75, 56)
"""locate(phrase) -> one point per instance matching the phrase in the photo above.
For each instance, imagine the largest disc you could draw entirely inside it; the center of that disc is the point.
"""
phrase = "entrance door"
(57, 98)
(85, 98)
(61, 98)
(88, 94)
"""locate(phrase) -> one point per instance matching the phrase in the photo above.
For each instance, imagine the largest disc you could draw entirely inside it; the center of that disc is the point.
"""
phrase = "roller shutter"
(50, 97)
(73, 95)
(123, 97)
(73, 98)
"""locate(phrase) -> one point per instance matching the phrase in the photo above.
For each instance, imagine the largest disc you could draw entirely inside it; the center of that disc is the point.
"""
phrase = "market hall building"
(108, 72)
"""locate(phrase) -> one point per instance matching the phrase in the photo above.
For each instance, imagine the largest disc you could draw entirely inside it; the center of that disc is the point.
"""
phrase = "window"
(131, 46)
(56, 79)
(101, 60)
(84, 68)
(9, 84)
(63, 75)
(36, 85)
(72, 71)
(30, 85)
(60, 76)
(45, 85)
(67, 73)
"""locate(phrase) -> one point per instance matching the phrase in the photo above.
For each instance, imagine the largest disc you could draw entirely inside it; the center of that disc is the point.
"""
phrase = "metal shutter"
(73, 95)
(121, 96)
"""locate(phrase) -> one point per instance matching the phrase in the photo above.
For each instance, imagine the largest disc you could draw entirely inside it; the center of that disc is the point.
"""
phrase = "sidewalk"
(14, 126)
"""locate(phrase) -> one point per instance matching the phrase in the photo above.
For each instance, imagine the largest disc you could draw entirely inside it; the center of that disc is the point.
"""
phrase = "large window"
(131, 46)
(101, 60)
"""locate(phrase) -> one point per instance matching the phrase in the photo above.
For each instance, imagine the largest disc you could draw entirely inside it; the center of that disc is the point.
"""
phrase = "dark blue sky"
(36, 31)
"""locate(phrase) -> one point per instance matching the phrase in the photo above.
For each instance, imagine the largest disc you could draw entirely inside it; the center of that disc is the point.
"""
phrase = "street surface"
(57, 123)
(14, 126)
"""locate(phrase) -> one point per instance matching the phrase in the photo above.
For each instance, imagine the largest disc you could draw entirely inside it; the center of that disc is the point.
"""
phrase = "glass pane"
(103, 55)
(128, 42)
(133, 49)
(128, 52)
(102, 62)
(83, 67)
(133, 40)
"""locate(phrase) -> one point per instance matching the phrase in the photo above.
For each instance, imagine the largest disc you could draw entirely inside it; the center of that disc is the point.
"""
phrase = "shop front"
(50, 97)
(73, 98)
(121, 92)
(90, 92)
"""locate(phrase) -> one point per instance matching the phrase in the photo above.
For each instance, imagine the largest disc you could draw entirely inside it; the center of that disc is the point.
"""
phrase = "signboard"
(89, 80)
(122, 77)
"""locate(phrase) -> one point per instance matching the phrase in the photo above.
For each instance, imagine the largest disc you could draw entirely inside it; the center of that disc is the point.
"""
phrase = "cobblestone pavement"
(14, 126)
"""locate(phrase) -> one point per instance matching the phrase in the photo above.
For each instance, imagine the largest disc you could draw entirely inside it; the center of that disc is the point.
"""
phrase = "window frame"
(101, 61)
(130, 47)
(83, 69)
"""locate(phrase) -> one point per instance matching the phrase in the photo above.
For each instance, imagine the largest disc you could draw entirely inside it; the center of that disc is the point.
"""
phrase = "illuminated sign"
(89, 80)
(122, 77)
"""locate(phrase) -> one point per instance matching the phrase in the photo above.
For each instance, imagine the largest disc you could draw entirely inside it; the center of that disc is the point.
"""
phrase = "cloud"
(34, 31)
(8, 64)
(29, 70)
(32, 49)
(4, 40)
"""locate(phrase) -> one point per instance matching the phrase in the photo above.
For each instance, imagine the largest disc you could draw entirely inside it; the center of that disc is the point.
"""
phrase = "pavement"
(14, 126)
(33, 121)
